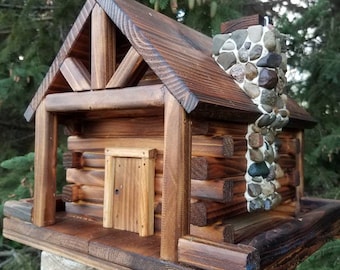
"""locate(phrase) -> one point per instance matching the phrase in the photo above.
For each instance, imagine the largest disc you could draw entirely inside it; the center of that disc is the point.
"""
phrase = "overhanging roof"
(178, 55)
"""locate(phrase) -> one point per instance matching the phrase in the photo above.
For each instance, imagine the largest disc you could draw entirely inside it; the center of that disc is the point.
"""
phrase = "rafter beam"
(76, 74)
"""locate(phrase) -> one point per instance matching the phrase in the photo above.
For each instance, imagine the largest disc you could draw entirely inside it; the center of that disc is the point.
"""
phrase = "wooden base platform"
(86, 241)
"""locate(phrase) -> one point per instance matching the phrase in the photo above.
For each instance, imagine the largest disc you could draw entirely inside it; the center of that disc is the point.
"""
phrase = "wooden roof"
(177, 54)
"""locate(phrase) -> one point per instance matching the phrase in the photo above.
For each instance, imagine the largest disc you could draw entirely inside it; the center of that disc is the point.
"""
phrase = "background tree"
(314, 50)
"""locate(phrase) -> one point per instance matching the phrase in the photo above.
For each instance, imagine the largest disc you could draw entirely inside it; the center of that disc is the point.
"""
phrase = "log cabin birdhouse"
(179, 153)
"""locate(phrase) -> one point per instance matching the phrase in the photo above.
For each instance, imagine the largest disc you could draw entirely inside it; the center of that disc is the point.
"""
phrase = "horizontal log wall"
(217, 176)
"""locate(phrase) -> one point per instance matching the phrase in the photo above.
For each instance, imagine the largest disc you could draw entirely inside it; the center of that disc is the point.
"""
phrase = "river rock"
(270, 136)
(279, 173)
(237, 72)
(229, 45)
(251, 89)
(255, 205)
(254, 190)
(255, 140)
(255, 33)
(243, 55)
(239, 36)
(283, 65)
(255, 52)
(267, 78)
(257, 179)
(284, 113)
(258, 169)
(250, 71)
(280, 103)
(267, 188)
(269, 153)
(256, 155)
(226, 60)
(266, 108)
(247, 45)
(269, 41)
(268, 97)
(218, 41)
(265, 120)
(271, 176)
(272, 60)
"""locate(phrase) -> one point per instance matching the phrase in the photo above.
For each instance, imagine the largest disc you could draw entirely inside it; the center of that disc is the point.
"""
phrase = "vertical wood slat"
(129, 189)
(103, 48)
(176, 184)
(45, 163)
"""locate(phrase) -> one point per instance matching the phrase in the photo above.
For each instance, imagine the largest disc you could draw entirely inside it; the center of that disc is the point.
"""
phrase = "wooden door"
(129, 190)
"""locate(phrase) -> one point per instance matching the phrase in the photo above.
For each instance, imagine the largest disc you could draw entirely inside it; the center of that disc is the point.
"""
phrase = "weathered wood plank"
(126, 69)
(45, 163)
(176, 183)
(103, 48)
(76, 74)
(18, 209)
(210, 255)
(143, 97)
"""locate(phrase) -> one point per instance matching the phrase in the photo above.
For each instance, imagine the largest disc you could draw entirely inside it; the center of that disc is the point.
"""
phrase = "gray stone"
(265, 120)
(270, 136)
(237, 72)
(255, 205)
(255, 33)
(279, 102)
(243, 55)
(250, 71)
(226, 60)
(251, 89)
(239, 36)
(255, 52)
(271, 175)
(276, 199)
(283, 65)
(247, 45)
(229, 45)
(267, 78)
(269, 41)
(267, 204)
(279, 122)
(254, 190)
(282, 81)
(258, 169)
(267, 108)
(256, 155)
(269, 153)
(272, 60)
(218, 41)
(257, 179)
(268, 188)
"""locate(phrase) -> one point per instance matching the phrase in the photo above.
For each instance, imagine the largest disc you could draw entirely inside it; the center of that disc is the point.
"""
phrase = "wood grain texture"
(76, 74)
(103, 48)
(65, 49)
(210, 255)
(126, 69)
(143, 97)
(176, 172)
(241, 23)
(45, 164)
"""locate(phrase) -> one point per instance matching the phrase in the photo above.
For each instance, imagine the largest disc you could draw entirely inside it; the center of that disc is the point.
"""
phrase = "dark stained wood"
(76, 74)
(210, 255)
(72, 159)
(204, 168)
(62, 54)
(241, 23)
(314, 226)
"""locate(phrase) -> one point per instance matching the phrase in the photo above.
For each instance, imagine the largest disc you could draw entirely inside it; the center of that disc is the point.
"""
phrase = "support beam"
(126, 69)
(176, 184)
(143, 97)
(103, 48)
(76, 74)
(45, 164)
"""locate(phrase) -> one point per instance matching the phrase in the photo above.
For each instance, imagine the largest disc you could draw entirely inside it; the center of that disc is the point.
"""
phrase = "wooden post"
(176, 184)
(103, 50)
(45, 164)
